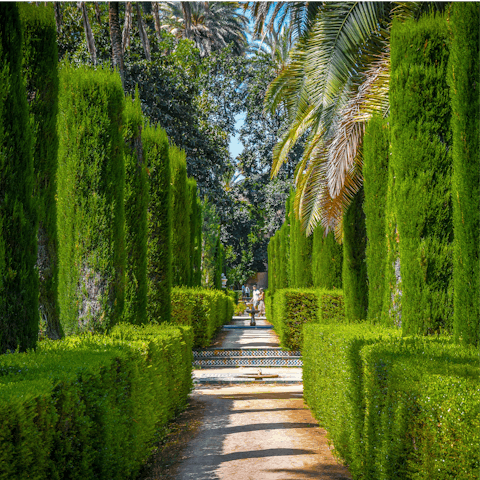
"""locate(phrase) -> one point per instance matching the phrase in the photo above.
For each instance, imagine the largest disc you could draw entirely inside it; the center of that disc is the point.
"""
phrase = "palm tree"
(336, 77)
(211, 25)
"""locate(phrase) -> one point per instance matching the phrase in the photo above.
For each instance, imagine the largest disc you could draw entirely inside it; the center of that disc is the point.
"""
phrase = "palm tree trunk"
(156, 18)
(116, 39)
(57, 8)
(143, 32)
(88, 33)
(187, 16)
(127, 26)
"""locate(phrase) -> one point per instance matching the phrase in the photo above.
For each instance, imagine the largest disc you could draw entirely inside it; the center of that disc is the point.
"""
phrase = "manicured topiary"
(159, 243)
(463, 75)
(355, 286)
(375, 175)
(327, 260)
(136, 205)
(40, 69)
(422, 157)
(18, 213)
(181, 270)
(283, 242)
(195, 234)
(91, 178)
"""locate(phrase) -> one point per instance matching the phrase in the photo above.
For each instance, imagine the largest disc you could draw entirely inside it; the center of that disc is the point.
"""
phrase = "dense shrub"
(375, 175)
(195, 234)
(159, 244)
(91, 177)
(421, 152)
(181, 270)
(464, 72)
(354, 273)
(90, 407)
(18, 212)
(205, 310)
(293, 308)
(136, 225)
(327, 260)
(40, 70)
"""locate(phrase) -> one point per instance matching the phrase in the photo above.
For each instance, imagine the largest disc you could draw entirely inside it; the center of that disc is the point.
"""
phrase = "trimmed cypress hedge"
(205, 310)
(18, 212)
(181, 270)
(91, 178)
(354, 273)
(421, 153)
(195, 234)
(159, 243)
(91, 407)
(327, 260)
(376, 145)
(463, 74)
(293, 308)
(136, 224)
(40, 69)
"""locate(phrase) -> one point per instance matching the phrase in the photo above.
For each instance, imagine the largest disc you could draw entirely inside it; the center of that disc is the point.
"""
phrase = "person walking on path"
(255, 297)
(261, 301)
(243, 291)
(247, 292)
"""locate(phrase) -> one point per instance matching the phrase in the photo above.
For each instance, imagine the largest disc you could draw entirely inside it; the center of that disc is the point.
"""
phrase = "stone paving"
(252, 430)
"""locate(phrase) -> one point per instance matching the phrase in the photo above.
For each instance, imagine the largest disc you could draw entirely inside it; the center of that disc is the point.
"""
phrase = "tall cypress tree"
(40, 68)
(327, 260)
(159, 243)
(195, 233)
(18, 213)
(376, 148)
(422, 156)
(91, 216)
(181, 270)
(355, 286)
(136, 206)
(464, 72)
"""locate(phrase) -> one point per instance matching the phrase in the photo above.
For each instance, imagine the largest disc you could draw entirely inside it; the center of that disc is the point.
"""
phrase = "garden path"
(256, 431)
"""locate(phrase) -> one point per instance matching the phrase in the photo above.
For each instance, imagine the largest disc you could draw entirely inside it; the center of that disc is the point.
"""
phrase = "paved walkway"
(254, 431)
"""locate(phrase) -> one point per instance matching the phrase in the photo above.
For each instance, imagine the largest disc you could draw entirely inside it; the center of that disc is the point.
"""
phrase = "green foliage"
(195, 234)
(136, 224)
(327, 260)
(354, 273)
(18, 211)
(159, 243)
(40, 70)
(91, 176)
(333, 383)
(210, 245)
(91, 406)
(463, 72)
(375, 180)
(181, 270)
(219, 264)
(291, 309)
(422, 157)
(205, 310)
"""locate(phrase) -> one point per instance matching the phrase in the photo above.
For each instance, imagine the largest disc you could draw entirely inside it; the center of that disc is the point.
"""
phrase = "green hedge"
(181, 269)
(136, 223)
(354, 273)
(393, 407)
(376, 149)
(18, 212)
(91, 177)
(90, 407)
(327, 260)
(291, 309)
(422, 157)
(464, 71)
(205, 310)
(195, 234)
(159, 243)
(40, 70)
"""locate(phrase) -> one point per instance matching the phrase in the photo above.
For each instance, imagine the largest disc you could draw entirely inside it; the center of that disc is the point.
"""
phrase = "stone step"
(247, 327)
(245, 352)
(218, 362)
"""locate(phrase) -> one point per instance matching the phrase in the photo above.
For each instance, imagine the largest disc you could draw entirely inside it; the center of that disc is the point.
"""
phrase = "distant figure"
(243, 291)
(247, 292)
(255, 297)
(261, 302)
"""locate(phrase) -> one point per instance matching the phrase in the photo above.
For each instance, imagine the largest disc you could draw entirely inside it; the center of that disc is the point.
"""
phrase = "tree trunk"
(143, 32)
(127, 26)
(88, 33)
(156, 18)
(116, 39)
